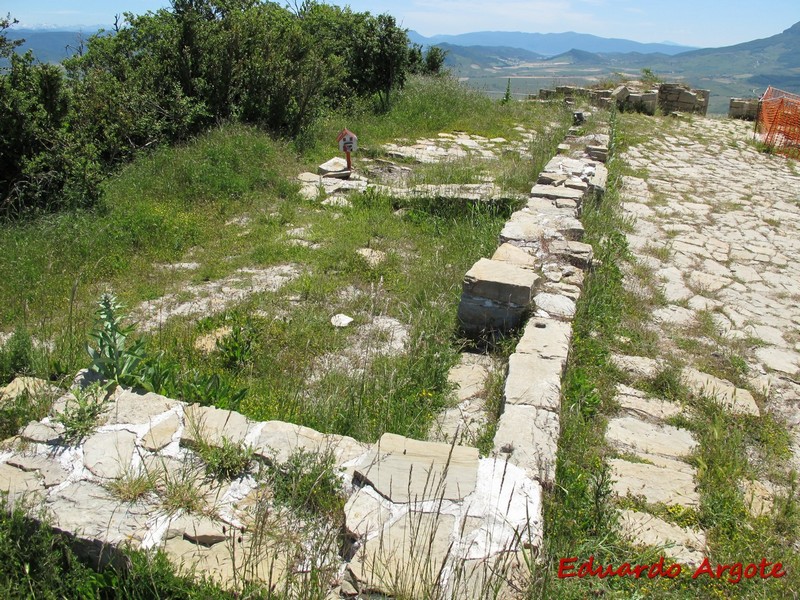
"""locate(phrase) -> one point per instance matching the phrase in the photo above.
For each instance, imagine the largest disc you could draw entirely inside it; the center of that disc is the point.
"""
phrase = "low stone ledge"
(500, 281)
(547, 338)
(529, 436)
(405, 470)
(533, 381)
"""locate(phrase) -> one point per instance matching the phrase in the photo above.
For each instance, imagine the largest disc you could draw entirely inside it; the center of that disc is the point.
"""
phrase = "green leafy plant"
(19, 411)
(16, 355)
(308, 482)
(238, 348)
(228, 461)
(115, 358)
(80, 415)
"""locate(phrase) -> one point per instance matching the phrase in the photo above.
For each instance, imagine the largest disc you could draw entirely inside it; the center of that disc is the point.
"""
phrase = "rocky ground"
(714, 238)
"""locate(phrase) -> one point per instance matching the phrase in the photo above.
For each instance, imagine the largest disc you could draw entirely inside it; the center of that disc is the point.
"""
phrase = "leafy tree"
(379, 57)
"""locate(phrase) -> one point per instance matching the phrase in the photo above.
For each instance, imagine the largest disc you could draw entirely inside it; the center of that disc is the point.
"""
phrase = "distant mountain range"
(548, 44)
(488, 59)
(745, 69)
(50, 45)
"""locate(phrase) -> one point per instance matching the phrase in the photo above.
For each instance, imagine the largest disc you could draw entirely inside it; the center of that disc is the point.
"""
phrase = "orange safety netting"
(779, 121)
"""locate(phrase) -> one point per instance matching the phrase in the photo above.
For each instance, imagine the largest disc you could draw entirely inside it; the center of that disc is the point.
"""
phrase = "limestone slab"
(51, 472)
(199, 529)
(533, 381)
(19, 484)
(684, 544)
(407, 558)
(515, 256)
(525, 228)
(89, 511)
(779, 359)
(551, 191)
(547, 338)
(655, 483)
(639, 404)
(27, 385)
(735, 399)
(555, 305)
(638, 367)
(43, 433)
(674, 315)
(470, 374)
(405, 470)
(108, 455)
(279, 440)
(206, 424)
(500, 281)
(161, 434)
(366, 512)
(641, 436)
(576, 253)
(529, 436)
(136, 408)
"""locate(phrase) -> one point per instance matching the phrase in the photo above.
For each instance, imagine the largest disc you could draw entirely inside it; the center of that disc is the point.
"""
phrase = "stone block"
(632, 434)
(515, 256)
(554, 192)
(212, 426)
(405, 470)
(684, 544)
(500, 282)
(737, 400)
(108, 455)
(656, 483)
(278, 440)
(555, 305)
(620, 94)
(576, 253)
(526, 229)
(529, 435)
(534, 381)
(547, 338)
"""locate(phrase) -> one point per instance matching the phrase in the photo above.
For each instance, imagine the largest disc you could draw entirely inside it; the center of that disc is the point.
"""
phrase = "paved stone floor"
(718, 224)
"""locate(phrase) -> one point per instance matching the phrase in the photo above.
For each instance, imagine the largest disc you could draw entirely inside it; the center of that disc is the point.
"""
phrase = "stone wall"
(676, 97)
(670, 97)
(743, 108)
(537, 271)
(419, 516)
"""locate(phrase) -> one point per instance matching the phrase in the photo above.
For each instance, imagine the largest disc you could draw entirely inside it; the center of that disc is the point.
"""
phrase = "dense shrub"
(166, 75)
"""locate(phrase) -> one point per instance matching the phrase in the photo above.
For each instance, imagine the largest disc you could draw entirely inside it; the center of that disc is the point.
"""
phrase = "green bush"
(16, 356)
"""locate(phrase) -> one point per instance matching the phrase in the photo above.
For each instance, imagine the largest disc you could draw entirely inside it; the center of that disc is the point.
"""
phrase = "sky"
(701, 23)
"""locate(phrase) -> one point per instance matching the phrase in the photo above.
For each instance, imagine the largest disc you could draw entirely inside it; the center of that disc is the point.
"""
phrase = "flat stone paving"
(717, 221)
